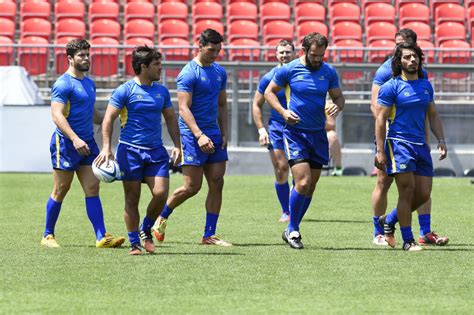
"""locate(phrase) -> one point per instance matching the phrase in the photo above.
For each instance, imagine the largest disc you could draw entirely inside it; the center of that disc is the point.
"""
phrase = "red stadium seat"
(70, 28)
(344, 12)
(134, 41)
(414, 12)
(434, 4)
(8, 10)
(308, 11)
(278, 29)
(450, 12)
(379, 56)
(470, 18)
(200, 26)
(422, 30)
(242, 11)
(207, 11)
(35, 9)
(332, 2)
(307, 27)
(234, 1)
(346, 30)
(103, 10)
(242, 29)
(69, 9)
(139, 28)
(428, 50)
(379, 31)
(270, 54)
(105, 28)
(172, 10)
(455, 56)
(175, 53)
(173, 28)
(366, 3)
(379, 12)
(349, 55)
(262, 2)
(34, 59)
(199, 1)
(36, 27)
(139, 10)
(104, 60)
(7, 28)
(274, 11)
(400, 3)
(163, 1)
(244, 54)
(6, 53)
(449, 31)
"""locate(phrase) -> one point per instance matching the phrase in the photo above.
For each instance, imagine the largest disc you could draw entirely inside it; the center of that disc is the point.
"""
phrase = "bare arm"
(380, 135)
(338, 102)
(272, 99)
(222, 116)
(373, 99)
(257, 104)
(173, 129)
(437, 129)
(98, 117)
(111, 113)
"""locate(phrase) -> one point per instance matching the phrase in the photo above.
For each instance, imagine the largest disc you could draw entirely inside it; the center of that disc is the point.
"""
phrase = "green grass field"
(339, 271)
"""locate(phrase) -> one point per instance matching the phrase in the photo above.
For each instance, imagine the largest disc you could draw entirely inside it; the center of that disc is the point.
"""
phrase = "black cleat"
(411, 246)
(389, 231)
(293, 239)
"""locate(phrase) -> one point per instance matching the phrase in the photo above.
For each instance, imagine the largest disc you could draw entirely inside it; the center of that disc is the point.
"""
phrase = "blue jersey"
(409, 101)
(205, 84)
(262, 86)
(141, 108)
(306, 92)
(384, 73)
(78, 96)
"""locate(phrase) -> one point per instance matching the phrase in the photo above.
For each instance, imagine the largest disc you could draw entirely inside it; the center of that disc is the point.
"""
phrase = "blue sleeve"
(431, 91)
(382, 76)
(167, 103)
(118, 97)
(386, 95)
(334, 82)
(264, 82)
(224, 80)
(281, 76)
(60, 92)
(185, 81)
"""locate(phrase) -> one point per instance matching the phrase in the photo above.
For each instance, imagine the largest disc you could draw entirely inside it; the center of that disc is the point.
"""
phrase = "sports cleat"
(159, 229)
(110, 241)
(135, 250)
(337, 172)
(389, 231)
(433, 239)
(49, 241)
(379, 240)
(147, 239)
(214, 240)
(285, 217)
(293, 239)
(411, 246)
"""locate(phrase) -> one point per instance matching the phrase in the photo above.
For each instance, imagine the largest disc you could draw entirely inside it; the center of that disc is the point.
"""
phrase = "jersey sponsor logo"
(203, 79)
(295, 153)
(219, 78)
(79, 89)
(406, 94)
(322, 78)
(189, 158)
(158, 95)
(403, 166)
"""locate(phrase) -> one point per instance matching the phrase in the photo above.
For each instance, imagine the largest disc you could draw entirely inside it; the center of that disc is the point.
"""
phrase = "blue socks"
(283, 194)
(378, 229)
(407, 234)
(392, 217)
(147, 224)
(297, 203)
(211, 223)
(134, 238)
(425, 223)
(307, 202)
(52, 213)
(96, 216)
(166, 212)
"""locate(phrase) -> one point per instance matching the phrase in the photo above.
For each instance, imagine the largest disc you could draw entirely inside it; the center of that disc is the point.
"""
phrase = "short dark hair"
(285, 42)
(397, 58)
(143, 55)
(210, 36)
(407, 34)
(314, 38)
(75, 45)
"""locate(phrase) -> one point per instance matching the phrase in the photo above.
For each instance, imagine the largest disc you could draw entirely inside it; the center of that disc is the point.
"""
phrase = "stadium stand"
(103, 10)
(455, 56)
(434, 4)
(450, 12)
(200, 26)
(8, 10)
(414, 12)
(139, 10)
(36, 27)
(172, 10)
(380, 31)
(70, 28)
(427, 47)
(134, 41)
(344, 12)
(207, 11)
(449, 31)
(35, 59)
(278, 30)
(422, 30)
(242, 29)
(69, 9)
(310, 26)
(365, 3)
(105, 28)
(349, 56)
(244, 54)
(346, 30)
(173, 29)
(35, 9)
(6, 53)
(309, 11)
(139, 28)
(378, 56)
(242, 11)
(379, 12)
(274, 11)
(104, 60)
(7, 28)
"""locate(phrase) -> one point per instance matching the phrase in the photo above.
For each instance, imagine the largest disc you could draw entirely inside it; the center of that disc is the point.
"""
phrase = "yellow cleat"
(49, 241)
(214, 240)
(159, 229)
(109, 241)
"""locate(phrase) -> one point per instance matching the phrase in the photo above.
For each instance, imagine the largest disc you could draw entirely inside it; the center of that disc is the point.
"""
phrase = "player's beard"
(410, 70)
(83, 68)
(310, 65)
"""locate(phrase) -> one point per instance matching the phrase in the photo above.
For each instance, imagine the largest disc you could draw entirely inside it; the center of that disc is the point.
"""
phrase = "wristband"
(262, 131)
(198, 137)
(441, 141)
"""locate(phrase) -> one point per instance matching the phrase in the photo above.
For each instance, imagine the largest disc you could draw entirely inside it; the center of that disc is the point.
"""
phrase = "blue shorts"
(275, 133)
(192, 154)
(65, 157)
(405, 157)
(312, 146)
(136, 164)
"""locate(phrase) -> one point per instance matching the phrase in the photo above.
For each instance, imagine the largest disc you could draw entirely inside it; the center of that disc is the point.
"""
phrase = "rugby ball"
(107, 172)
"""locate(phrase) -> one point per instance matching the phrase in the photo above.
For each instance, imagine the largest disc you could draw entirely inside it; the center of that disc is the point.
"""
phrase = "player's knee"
(160, 193)
(192, 189)
(303, 186)
(91, 189)
(384, 183)
(60, 190)
(216, 183)
(131, 199)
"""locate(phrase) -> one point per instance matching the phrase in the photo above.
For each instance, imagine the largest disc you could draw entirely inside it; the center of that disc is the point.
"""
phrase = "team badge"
(66, 164)
(403, 166)
(79, 89)
(406, 94)
(321, 78)
(158, 95)
(219, 78)
(203, 78)
(300, 78)
(139, 97)
(189, 158)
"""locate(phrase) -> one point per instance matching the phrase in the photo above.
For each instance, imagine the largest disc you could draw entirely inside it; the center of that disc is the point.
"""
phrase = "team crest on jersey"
(219, 78)
(403, 166)
(295, 153)
(139, 96)
(321, 78)
(426, 92)
(203, 78)
(406, 94)
(158, 95)
(79, 89)
(66, 164)
(300, 77)
(189, 158)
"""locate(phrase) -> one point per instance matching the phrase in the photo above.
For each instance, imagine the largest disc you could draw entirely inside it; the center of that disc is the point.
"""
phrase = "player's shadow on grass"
(335, 221)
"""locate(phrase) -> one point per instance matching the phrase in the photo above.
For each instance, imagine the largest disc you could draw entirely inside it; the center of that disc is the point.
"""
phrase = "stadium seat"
(414, 12)
(400, 3)
(200, 26)
(175, 53)
(455, 56)
(346, 30)
(309, 11)
(428, 50)
(332, 2)
(380, 31)
(444, 172)
(307, 27)
(379, 56)
(207, 11)
(349, 55)
(105, 28)
(379, 12)
(274, 11)
(234, 1)
(6, 53)
(422, 30)
(139, 28)
(354, 171)
(8, 10)
(172, 10)
(35, 9)
(434, 4)
(34, 59)
(173, 28)
(69, 9)
(366, 3)
(70, 28)
(129, 1)
(279, 30)
(242, 29)
(262, 2)
(450, 12)
(449, 31)
(198, 1)
(344, 12)
(60, 59)
(270, 54)
(470, 18)
(139, 10)
(104, 60)
(163, 1)
(103, 10)
(7, 28)
(36, 27)
(134, 41)
(242, 11)
(252, 53)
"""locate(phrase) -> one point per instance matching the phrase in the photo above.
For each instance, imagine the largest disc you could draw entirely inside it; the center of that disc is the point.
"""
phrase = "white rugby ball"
(107, 172)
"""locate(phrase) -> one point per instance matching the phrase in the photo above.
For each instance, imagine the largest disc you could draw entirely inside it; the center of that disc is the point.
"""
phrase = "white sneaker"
(379, 240)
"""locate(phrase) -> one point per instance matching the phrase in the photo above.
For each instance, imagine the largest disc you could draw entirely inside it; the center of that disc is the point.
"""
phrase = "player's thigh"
(383, 180)
(89, 183)
(278, 158)
(423, 187)
(214, 172)
(192, 177)
(131, 190)
(301, 172)
(62, 180)
(159, 186)
(405, 183)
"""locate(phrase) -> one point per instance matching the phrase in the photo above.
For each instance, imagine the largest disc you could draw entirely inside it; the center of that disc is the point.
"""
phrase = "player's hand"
(205, 144)
(104, 157)
(81, 147)
(263, 137)
(332, 110)
(290, 117)
(176, 155)
(443, 150)
(380, 161)
(224, 141)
